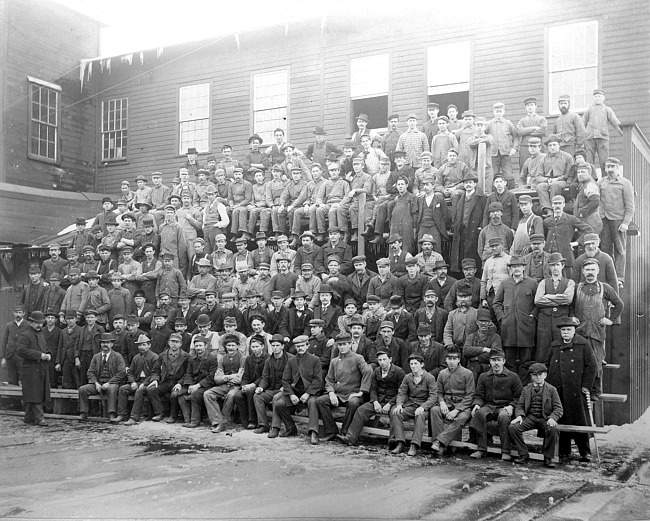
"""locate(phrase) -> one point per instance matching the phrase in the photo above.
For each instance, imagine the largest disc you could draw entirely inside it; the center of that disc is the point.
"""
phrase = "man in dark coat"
(572, 370)
(539, 407)
(34, 369)
(8, 353)
(467, 222)
(168, 373)
(32, 296)
(139, 377)
(359, 280)
(401, 319)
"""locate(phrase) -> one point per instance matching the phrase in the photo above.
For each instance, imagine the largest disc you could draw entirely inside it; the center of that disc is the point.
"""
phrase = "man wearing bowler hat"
(34, 370)
(320, 148)
(363, 130)
(539, 407)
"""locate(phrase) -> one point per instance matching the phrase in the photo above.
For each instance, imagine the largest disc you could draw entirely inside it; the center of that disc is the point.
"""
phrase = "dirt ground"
(73, 470)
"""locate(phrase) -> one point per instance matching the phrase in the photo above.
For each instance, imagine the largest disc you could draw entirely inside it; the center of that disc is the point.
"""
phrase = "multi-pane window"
(572, 63)
(194, 118)
(114, 129)
(270, 102)
(44, 101)
(369, 87)
(448, 75)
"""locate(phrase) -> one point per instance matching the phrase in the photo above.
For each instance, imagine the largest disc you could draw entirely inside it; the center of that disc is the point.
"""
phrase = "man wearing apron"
(528, 225)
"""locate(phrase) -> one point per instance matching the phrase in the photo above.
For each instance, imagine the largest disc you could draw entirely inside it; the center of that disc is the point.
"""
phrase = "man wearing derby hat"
(34, 370)
(553, 297)
(572, 369)
(363, 130)
(138, 378)
(514, 307)
(106, 373)
(320, 148)
(539, 407)
(467, 220)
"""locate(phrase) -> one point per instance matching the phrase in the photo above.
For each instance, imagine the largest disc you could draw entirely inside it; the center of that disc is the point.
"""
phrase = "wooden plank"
(584, 429)
(608, 397)
(96, 419)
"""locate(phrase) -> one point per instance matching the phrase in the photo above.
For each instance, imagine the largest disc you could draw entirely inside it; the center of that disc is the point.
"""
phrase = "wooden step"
(608, 397)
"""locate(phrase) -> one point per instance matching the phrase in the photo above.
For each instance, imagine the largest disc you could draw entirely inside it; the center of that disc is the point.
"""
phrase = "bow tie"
(537, 386)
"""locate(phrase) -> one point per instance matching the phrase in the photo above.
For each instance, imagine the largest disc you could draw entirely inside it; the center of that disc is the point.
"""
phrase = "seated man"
(497, 393)
(301, 383)
(138, 377)
(455, 395)
(386, 381)
(539, 407)
(106, 373)
(417, 394)
(227, 379)
(271, 382)
(198, 378)
(253, 368)
(346, 384)
(168, 372)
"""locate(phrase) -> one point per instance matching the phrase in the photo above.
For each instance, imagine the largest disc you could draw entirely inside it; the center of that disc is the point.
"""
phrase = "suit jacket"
(292, 326)
(473, 228)
(25, 298)
(384, 390)
(359, 287)
(10, 337)
(95, 344)
(116, 368)
(559, 235)
(404, 325)
(441, 214)
(190, 318)
(34, 374)
(275, 320)
(145, 316)
(331, 318)
(142, 364)
(366, 349)
(304, 371)
(201, 371)
(344, 252)
(437, 322)
(551, 404)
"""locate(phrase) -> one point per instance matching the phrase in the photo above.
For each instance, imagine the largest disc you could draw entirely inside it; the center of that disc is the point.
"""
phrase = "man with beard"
(469, 272)
(442, 282)
(569, 127)
(587, 200)
(139, 377)
(427, 258)
(495, 228)
(34, 371)
(607, 271)
(462, 320)
(536, 262)
(480, 343)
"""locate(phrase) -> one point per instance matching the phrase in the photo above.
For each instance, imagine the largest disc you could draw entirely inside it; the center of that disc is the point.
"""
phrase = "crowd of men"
(152, 303)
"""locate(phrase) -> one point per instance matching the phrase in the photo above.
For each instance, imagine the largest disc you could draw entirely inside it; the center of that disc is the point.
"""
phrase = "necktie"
(556, 283)
(105, 358)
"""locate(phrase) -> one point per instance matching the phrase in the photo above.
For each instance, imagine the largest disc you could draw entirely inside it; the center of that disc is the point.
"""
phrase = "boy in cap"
(442, 142)
(539, 407)
(597, 119)
(201, 283)
(106, 213)
(121, 298)
(292, 161)
(159, 197)
(463, 134)
(426, 171)
(474, 142)
(403, 322)
(240, 195)
(413, 142)
(532, 125)
(379, 195)
(569, 127)
(255, 160)
(452, 114)
(505, 143)
(97, 298)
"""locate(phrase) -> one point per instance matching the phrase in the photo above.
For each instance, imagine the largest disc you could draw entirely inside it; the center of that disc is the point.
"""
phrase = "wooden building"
(47, 154)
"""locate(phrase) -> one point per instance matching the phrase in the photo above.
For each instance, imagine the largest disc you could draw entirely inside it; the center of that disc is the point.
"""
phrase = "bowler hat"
(325, 288)
(516, 261)
(203, 320)
(320, 131)
(363, 117)
(36, 316)
(107, 337)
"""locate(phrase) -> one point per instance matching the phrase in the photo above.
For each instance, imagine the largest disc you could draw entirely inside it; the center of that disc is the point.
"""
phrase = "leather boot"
(399, 448)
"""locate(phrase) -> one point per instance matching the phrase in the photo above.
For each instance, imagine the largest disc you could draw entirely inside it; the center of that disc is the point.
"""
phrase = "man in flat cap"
(497, 393)
(360, 280)
(411, 287)
(173, 239)
(529, 224)
(432, 352)
(478, 345)
(569, 127)
(463, 134)
(75, 296)
(536, 262)
(430, 126)
(597, 119)
(31, 298)
(413, 142)
(462, 320)
(443, 140)
(199, 378)
(532, 125)
(505, 143)
(384, 284)
(539, 407)
(426, 170)
(552, 175)
(495, 228)
(606, 273)
(616, 212)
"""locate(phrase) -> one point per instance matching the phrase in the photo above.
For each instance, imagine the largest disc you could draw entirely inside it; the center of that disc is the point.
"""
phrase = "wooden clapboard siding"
(46, 41)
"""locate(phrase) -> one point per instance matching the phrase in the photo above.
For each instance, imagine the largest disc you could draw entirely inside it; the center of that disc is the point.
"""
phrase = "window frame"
(124, 130)
(182, 148)
(32, 122)
(254, 130)
(449, 88)
(352, 96)
(551, 97)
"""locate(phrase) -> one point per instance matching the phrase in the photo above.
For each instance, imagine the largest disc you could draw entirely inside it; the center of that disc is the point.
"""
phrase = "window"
(44, 120)
(369, 87)
(572, 63)
(194, 118)
(270, 102)
(114, 129)
(448, 75)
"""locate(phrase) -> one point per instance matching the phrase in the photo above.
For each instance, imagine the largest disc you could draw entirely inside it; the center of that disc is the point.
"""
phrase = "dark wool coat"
(469, 250)
(34, 374)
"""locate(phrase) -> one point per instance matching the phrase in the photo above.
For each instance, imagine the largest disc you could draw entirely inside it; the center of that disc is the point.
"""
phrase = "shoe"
(506, 457)
(369, 231)
(377, 239)
(261, 430)
(273, 433)
(157, 418)
(436, 448)
(191, 425)
(42, 423)
(293, 243)
(329, 437)
(344, 439)
(130, 422)
(548, 463)
(521, 460)
(115, 419)
(219, 428)
(251, 426)
(413, 450)
(477, 454)
(293, 431)
(586, 458)
(314, 438)
(171, 419)
(83, 416)
(355, 236)
(399, 448)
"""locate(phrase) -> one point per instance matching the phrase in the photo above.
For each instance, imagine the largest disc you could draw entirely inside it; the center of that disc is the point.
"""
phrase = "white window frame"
(115, 121)
(270, 103)
(449, 67)
(578, 66)
(194, 118)
(370, 78)
(43, 128)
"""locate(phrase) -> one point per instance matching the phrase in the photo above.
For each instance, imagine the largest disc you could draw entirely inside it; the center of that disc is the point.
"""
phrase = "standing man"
(467, 222)
(413, 142)
(530, 126)
(569, 127)
(597, 119)
(173, 239)
(10, 359)
(514, 307)
(320, 149)
(529, 224)
(505, 143)
(391, 137)
(430, 126)
(34, 372)
(616, 212)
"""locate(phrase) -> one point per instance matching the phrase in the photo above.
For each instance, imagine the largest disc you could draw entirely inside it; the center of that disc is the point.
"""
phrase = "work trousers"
(546, 191)
(239, 220)
(597, 149)
(397, 424)
(381, 217)
(245, 405)
(363, 414)
(582, 442)
(13, 369)
(481, 421)
(349, 211)
(298, 214)
(518, 360)
(444, 430)
(209, 233)
(283, 409)
(138, 401)
(260, 402)
(265, 218)
(502, 164)
(164, 389)
(327, 212)
(88, 390)
(614, 243)
(216, 414)
(191, 405)
(551, 435)
(33, 413)
(325, 412)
